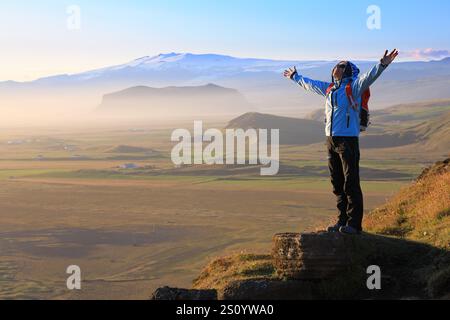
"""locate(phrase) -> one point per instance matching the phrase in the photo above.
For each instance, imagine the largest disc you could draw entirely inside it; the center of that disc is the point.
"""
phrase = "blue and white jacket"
(337, 106)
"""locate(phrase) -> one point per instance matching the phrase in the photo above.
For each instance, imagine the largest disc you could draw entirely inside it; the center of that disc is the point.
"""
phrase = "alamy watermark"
(74, 280)
(73, 21)
(374, 279)
(241, 146)
(374, 19)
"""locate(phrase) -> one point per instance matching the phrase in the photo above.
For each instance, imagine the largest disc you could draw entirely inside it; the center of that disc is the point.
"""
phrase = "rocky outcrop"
(301, 262)
(267, 290)
(167, 293)
(328, 266)
(311, 256)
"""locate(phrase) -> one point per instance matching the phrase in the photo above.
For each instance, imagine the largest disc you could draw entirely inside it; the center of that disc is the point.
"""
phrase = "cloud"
(428, 54)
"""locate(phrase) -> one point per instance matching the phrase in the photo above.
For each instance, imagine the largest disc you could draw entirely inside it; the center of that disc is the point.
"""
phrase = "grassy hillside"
(435, 133)
(419, 212)
(419, 111)
(243, 266)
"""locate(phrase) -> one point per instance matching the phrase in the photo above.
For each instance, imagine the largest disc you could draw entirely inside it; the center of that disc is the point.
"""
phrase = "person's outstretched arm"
(365, 80)
(319, 87)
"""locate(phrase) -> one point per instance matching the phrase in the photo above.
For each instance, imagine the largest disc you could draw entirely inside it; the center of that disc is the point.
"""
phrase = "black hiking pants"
(343, 162)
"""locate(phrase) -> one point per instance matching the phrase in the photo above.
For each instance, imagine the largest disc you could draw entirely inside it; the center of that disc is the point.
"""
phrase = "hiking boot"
(349, 230)
(335, 228)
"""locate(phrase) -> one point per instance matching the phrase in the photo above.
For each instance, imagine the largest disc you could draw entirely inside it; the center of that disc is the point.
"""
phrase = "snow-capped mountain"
(184, 67)
(198, 63)
(260, 80)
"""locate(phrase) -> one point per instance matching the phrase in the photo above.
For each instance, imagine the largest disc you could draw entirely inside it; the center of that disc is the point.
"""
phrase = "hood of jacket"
(351, 72)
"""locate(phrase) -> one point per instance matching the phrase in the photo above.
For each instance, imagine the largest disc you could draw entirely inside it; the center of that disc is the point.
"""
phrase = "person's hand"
(389, 58)
(289, 73)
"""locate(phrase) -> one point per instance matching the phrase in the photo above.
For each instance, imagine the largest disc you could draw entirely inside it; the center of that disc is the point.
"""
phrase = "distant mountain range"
(188, 67)
(259, 80)
(206, 100)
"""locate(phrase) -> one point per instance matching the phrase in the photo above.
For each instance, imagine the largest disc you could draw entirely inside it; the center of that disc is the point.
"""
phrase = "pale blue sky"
(36, 42)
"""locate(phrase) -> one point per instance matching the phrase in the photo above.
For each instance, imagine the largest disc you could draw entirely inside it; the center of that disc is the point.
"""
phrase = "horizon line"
(217, 54)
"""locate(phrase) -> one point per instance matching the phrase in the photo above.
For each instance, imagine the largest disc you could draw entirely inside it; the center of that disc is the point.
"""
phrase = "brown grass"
(420, 211)
(235, 267)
